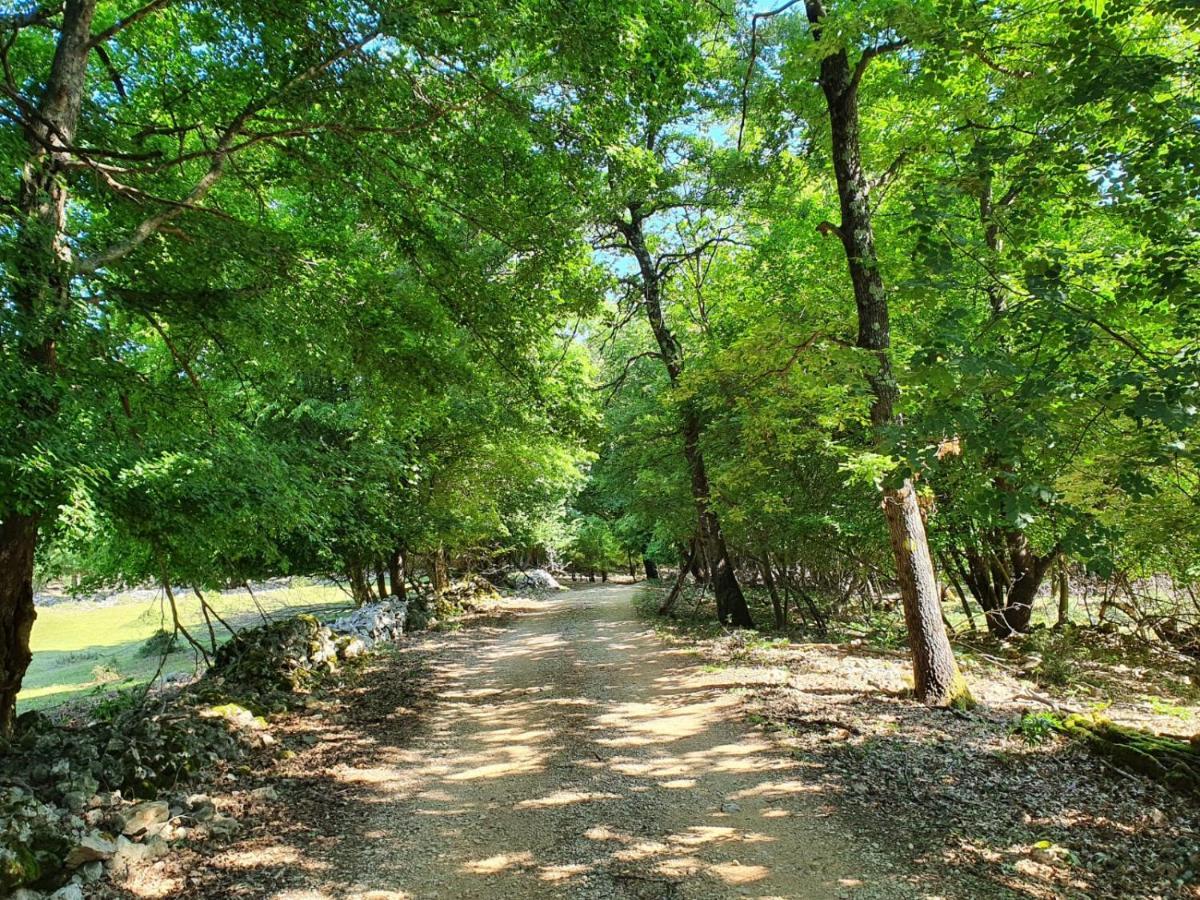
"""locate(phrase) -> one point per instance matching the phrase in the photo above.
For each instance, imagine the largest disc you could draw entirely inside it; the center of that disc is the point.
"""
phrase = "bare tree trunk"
(769, 580)
(958, 589)
(1064, 592)
(935, 673)
(39, 286)
(18, 539)
(177, 624)
(731, 603)
(671, 598)
(651, 568)
(396, 573)
(381, 582)
(439, 577)
(360, 590)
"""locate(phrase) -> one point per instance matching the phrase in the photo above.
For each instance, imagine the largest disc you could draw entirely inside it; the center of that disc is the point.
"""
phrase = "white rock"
(372, 623)
(90, 848)
(144, 816)
(538, 579)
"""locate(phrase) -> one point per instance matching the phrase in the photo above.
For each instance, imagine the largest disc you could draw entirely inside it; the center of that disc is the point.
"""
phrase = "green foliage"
(160, 643)
(1037, 727)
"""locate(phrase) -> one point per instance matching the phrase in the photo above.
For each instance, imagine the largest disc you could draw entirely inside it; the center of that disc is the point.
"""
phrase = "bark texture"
(1003, 574)
(40, 289)
(396, 573)
(935, 672)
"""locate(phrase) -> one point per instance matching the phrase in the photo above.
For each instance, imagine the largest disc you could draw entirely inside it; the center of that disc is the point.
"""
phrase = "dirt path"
(569, 754)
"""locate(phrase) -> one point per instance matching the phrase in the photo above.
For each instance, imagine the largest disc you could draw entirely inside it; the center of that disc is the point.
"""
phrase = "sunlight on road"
(571, 755)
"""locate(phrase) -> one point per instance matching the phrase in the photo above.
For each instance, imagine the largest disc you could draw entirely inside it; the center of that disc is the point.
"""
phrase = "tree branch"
(753, 58)
(869, 54)
(39, 15)
(133, 18)
(220, 156)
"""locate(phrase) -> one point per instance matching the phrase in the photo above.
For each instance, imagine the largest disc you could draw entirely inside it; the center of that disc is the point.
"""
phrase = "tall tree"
(936, 675)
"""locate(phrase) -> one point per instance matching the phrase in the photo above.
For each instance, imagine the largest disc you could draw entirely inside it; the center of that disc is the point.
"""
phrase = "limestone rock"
(266, 794)
(223, 826)
(534, 579)
(201, 807)
(143, 816)
(371, 624)
(91, 847)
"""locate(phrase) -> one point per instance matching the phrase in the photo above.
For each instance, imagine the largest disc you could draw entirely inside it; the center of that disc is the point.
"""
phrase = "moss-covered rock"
(1171, 760)
(32, 841)
(288, 655)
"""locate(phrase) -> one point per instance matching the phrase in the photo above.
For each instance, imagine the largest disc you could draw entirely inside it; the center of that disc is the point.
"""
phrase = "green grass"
(84, 649)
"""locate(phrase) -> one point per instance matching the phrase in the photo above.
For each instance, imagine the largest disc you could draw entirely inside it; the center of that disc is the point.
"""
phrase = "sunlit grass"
(84, 648)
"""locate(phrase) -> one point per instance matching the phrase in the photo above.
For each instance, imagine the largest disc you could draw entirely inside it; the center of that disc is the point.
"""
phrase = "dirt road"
(569, 754)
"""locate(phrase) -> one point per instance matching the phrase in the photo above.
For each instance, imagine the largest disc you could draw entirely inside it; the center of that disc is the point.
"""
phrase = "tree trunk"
(669, 601)
(731, 603)
(769, 580)
(396, 574)
(381, 582)
(935, 673)
(18, 539)
(651, 568)
(1064, 592)
(1004, 575)
(360, 590)
(439, 576)
(39, 286)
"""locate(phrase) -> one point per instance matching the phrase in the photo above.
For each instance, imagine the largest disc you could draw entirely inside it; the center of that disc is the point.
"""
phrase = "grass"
(86, 649)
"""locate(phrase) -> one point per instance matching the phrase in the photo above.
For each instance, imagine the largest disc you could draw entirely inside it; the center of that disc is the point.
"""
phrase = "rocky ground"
(563, 753)
(558, 748)
(976, 796)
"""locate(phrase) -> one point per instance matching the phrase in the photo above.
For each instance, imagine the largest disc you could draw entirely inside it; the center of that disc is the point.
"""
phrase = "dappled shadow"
(569, 756)
(964, 793)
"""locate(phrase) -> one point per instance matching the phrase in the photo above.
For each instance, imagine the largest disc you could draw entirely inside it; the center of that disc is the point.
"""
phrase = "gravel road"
(569, 754)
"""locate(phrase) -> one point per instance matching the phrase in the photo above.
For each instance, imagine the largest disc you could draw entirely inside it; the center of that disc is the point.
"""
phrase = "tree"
(936, 676)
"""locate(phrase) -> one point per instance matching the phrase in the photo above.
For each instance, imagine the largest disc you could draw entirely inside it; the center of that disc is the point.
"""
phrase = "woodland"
(834, 320)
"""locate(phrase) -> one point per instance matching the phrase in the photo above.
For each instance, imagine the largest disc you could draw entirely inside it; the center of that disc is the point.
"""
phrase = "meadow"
(85, 649)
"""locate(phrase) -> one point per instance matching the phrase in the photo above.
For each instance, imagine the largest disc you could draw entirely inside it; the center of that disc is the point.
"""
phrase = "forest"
(855, 332)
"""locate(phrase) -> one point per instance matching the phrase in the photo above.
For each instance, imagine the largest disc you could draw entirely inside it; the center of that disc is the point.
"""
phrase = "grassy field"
(83, 649)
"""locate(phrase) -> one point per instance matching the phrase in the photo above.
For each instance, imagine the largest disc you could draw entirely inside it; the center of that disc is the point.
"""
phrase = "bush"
(160, 643)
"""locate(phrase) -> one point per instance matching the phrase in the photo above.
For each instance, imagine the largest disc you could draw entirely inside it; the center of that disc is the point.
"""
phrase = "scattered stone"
(223, 826)
(91, 847)
(143, 816)
(68, 892)
(730, 807)
(266, 794)
(201, 807)
(75, 801)
(131, 854)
